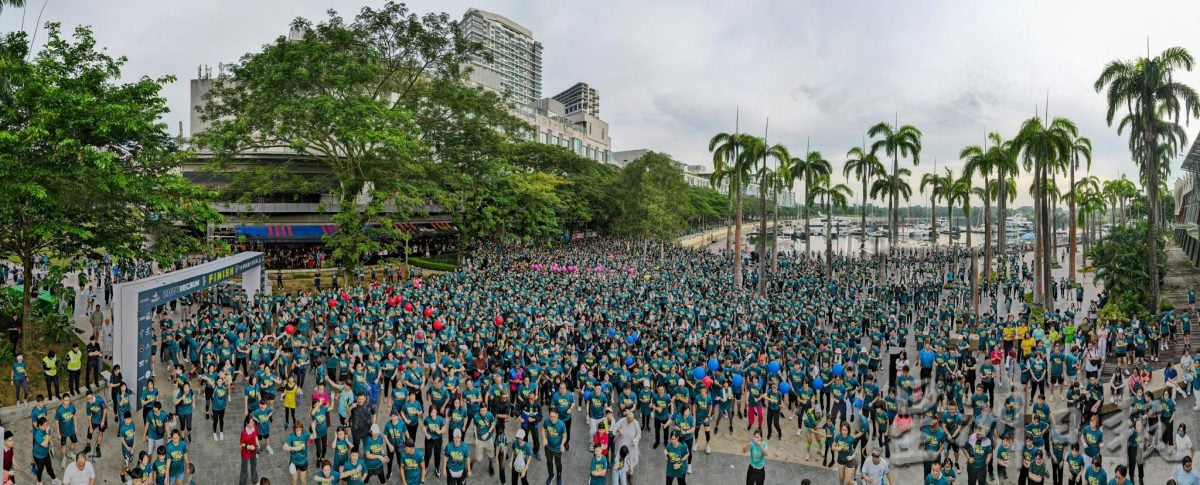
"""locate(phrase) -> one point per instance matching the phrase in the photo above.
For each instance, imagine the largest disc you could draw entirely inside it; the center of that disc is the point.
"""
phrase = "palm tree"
(866, 167)
(810, 168)
(961, 191)
(896, 142)
(1083, 194)
(1007, 169)
(1146, 88)
(727, 160)
(832, 196)
(892, 185)
(984, 160)
(779, 179)
(1080, 146)
(1044, 148)
(11, 3)
(781, 157)
(938, 186)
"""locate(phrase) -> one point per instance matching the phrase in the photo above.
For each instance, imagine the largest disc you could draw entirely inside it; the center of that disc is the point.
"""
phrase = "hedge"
(434, 265)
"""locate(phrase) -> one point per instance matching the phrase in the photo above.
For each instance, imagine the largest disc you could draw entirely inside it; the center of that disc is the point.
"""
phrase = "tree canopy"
(88, 166)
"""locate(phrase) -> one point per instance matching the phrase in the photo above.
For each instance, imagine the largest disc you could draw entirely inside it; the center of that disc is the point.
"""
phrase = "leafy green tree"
(655, 199)
(1121, 263)
(357, 99)
(87, 165)
(896, 141)
(1146, 87)
(756, 153)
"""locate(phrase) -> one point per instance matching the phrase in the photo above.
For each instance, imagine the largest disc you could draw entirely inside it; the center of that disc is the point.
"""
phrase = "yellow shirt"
(289, 398)
(50, 365)
(1027, 345)
(1021, 331)
(74, 360)
(1008, 333)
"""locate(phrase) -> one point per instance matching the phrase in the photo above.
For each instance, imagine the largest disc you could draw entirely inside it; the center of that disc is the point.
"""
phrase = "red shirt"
(249, 438)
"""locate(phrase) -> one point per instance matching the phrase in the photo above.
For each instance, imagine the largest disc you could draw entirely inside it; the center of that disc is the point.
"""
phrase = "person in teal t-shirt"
(677, 457)
(412, 463)
(456, 461)
(297, 444)
(177, 458)
(598, 468)
(757, 449)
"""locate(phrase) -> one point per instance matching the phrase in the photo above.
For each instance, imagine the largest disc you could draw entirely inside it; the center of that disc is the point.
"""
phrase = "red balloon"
(428, 312)
(707, 381)
(332, 303)
(346, 296)
(499, 321)
(391, 302)
(387, 289)
(357, 309)
(420, 335)
(290, 329)
(437, 325)
(408, 307)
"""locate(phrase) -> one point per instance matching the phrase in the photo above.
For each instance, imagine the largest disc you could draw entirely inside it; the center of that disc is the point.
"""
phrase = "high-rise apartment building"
(515, 69)
(580, 97)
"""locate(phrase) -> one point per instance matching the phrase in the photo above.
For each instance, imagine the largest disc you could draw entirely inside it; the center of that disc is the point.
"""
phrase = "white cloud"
(671, 73)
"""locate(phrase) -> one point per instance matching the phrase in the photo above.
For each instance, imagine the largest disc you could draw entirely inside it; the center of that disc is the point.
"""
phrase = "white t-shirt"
(875, 472)
(1184, 445)
(74, 476)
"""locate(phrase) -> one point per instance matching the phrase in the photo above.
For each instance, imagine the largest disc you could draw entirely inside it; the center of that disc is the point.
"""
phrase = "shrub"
(1166, 305)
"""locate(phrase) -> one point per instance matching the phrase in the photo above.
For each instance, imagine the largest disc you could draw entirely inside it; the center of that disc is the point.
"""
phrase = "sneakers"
(215, 437)
(689, 469)
(270, 451)
(222, 436)
(707, 449)
(799, 432)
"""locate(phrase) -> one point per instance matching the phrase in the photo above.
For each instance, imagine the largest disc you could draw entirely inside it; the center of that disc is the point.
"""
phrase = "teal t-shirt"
(411, 463)
(555, 432)
(456, 457)
(175, 452)
(299, 445)
(677, 460)
(758, 459)
(600, 463)
(374, 445)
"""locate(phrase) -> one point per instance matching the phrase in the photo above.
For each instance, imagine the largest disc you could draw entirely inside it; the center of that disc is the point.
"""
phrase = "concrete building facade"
(580, 97)
(515, 68)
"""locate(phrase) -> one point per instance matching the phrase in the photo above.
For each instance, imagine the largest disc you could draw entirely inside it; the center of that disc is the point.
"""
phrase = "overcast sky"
(672, 73)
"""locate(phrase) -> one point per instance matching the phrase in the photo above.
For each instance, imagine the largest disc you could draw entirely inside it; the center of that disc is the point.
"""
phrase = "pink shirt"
(322, 396)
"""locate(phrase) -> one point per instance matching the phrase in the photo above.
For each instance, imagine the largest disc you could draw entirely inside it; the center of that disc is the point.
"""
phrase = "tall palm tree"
(780, 179)
(1080, 147)
(1082, 192)
(780, 154)
(725, 148)
(1146, 88)
(11, 3)
(892, 185)
(866, 167)
(984, 161)
(1007, 170)
(896, 141)
(831, 196)
(961, 191)
(1044, 147)
(938, 186)
(809, 169)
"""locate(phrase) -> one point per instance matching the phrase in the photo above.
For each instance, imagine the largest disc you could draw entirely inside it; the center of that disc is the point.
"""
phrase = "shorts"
(268, 396)
(378, 472)
(1056, 379)
(62, 440)
(264, 436)
(176, 478)
(298, 468)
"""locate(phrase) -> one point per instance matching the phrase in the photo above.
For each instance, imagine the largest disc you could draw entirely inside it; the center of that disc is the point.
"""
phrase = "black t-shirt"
(93, 347)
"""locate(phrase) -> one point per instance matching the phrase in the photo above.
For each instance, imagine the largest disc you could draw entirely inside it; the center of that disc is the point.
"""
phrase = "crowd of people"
(482, 373)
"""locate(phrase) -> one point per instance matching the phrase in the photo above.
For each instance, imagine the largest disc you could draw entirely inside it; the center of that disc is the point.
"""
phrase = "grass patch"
(34, 347)
(1055, 266)
(431, 264)
(301, 276)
